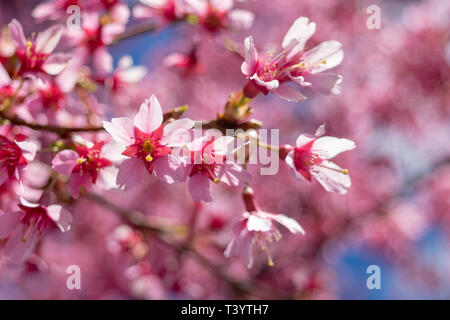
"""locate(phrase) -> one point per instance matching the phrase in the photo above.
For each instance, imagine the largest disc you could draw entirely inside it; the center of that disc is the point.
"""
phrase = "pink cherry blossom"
(216, 15)
(268, 73)
(148, 143)
(311, 157)
(84, 164)
(123, 77)
(208, 160)
(35, 55)
(165, 11)
(24, 228)
(92, 39)
(257, 229)
(14, 156)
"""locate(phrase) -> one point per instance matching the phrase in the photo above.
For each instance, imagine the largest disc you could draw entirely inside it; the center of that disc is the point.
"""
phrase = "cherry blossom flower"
(35, 55)
(269, 73)
(92, 39)
(123, 77)
(54, 9)
(216, 15)
(257, 228)
(187, 63)
(311, 158)
(14, 156)
(148, 144)
(165, 11)
(85, 164)
(208, 160)
(24, 228)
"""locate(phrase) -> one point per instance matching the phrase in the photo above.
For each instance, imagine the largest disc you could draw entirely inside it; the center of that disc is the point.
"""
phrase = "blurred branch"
(135, 31)
(140, 221)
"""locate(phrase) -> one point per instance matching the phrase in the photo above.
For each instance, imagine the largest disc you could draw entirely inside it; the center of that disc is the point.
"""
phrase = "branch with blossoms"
(58, 93)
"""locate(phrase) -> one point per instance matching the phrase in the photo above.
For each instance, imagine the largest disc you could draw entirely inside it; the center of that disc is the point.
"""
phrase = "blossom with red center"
(188, 63)
(125, 239)
(272, 73)
(24, 228)
(35, 56)
(310, 158)
(208, 160)
(125, 75)
(14, 156)
(164, 10)
(92, 39)
(257, 229)
(217, 15)
(85, 164)
(54, 9)
(148, 144)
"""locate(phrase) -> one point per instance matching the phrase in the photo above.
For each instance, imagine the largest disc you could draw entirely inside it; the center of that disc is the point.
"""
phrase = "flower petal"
(65, 161)
(298, 34)
(131, 172)
(8, 221)
(177, 133)
(331, 180)
(289, 94)
(150, 115)
(324, 56)
(200, 188)
(250, 63)
(28, 149)
(170, 169)
(60, 216)
(47, 40)
(121, 129)
(329, 147)
(56, 63)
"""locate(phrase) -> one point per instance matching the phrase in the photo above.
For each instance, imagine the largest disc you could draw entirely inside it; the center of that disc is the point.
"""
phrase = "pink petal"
(170, 169)
(78, 181)
(18, 247)
(120, 13)
(28, 149)
(292, 225)
(16, 30)
(200, 188)
(150, 115)
(131, 173)
(65, 161)
(324, 56)
(177, 133)
(241, 19)
(8, 221)
(289, 94)
(60, 216)
(257, 223)
(331, 180)
(121, 129)
(298, 34)
(250, 64)
(4, 76)
(56, 63)
(233, 175)
(241, 245)
(270, 85)
(47, 40)
(44, 10)
(329, 147)
(103, 61)
(110, 31)
(325, 83)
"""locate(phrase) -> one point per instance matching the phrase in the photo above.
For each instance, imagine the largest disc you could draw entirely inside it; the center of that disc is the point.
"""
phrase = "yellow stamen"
(216, 180)
(149, 158)
(81, 160)
(345, 171)
(269, 258)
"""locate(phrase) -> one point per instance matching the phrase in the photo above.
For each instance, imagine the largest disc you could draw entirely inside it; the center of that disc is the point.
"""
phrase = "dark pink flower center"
(214, 20)
(10, 155)
(35, 220)
(304, 158)
(147, 147)
(90, 161)
(209, 162)
(30, 59)
(52, 97)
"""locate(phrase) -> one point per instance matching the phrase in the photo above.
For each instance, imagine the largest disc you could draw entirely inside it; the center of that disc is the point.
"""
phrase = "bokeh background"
(395, 104)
